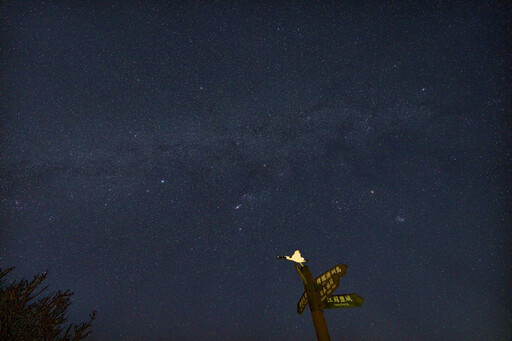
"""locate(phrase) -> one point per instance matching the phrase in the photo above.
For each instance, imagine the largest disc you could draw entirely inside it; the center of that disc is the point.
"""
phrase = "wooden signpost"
(317, 292)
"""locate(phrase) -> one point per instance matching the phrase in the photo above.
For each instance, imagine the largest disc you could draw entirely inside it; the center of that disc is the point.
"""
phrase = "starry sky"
(156, 158)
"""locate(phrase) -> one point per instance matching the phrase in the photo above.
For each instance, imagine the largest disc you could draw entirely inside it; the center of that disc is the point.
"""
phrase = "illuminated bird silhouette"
(296, 257)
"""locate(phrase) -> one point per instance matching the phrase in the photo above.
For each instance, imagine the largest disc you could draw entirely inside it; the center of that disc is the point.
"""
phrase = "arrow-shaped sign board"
(343, 301)
(330, 280)
(303, 302)
(326, 282)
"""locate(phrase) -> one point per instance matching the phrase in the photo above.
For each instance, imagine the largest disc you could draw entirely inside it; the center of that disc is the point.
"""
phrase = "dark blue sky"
(157, 158)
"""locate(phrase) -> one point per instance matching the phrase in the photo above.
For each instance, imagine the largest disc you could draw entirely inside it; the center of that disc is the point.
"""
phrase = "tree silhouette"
(24, 318)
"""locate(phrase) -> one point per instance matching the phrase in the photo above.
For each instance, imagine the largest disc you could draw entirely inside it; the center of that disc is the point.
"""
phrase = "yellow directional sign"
(343, 301)
(303, 302)
(330, 280)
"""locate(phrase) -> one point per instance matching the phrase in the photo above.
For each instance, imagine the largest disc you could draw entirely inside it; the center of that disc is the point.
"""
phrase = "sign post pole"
(317, 314)
(318, 293)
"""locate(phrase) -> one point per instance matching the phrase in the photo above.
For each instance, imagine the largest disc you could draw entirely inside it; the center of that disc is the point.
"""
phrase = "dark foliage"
(23, 317)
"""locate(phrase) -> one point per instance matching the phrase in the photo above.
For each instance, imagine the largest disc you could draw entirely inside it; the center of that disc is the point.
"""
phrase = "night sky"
(157, 158)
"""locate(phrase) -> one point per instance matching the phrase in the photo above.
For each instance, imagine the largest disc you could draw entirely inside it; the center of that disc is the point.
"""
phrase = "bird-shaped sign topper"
(296, 257)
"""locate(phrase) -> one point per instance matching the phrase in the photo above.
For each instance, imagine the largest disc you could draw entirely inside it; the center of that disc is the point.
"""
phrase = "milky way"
(156, 159)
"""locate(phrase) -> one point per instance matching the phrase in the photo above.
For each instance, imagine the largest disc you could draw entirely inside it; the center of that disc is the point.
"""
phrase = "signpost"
(303, 302)
(330, 280)
(318, 294)
(326, 283)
